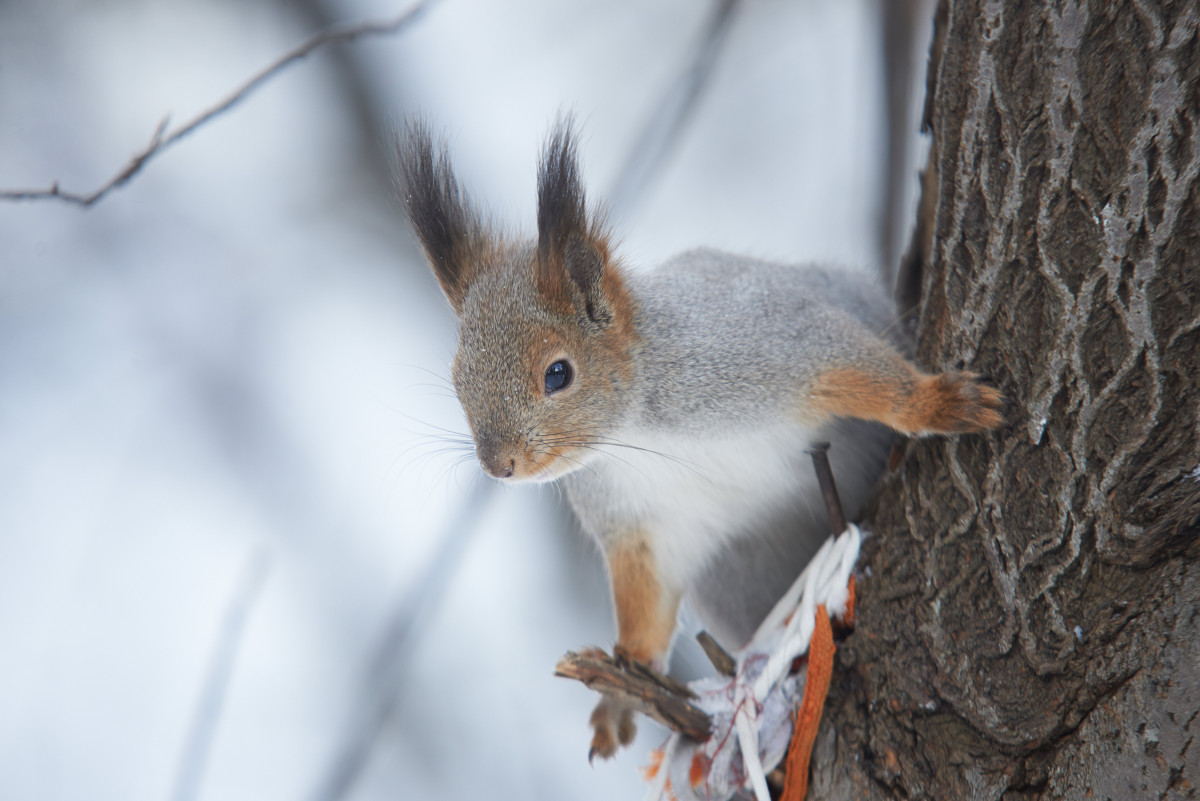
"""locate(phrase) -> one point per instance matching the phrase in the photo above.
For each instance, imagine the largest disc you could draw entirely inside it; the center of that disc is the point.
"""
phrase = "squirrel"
(676, 406)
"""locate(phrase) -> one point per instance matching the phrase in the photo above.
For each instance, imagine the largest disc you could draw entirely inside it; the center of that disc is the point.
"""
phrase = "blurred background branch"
(661, 132)
(197, 747)
(377, 696)
(162, 139)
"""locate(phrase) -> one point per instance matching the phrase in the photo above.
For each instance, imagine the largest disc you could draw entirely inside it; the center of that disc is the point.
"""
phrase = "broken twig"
(651, 693)
(720, 659)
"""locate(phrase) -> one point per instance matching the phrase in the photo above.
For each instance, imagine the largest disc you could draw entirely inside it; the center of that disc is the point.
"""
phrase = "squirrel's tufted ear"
(451, 232)
(572, 250)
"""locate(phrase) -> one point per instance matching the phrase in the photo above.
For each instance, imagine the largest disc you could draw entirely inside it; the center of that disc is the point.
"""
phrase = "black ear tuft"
(571, 251)
(451, 232)
(561, 211)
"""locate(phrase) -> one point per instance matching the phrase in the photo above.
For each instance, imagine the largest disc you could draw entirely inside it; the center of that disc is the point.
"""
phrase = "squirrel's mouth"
(533, 467)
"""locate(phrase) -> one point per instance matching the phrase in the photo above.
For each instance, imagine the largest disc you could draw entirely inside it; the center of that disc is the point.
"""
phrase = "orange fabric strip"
(699, 770)
(808, 716)
(656, 760)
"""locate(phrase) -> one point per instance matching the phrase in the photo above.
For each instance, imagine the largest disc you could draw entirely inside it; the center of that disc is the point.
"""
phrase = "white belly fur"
(697, 493)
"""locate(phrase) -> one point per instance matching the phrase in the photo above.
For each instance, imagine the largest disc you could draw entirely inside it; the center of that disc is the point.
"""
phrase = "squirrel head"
(543, 365)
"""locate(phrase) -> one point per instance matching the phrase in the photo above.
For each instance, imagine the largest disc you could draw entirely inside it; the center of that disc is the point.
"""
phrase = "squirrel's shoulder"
(723, 337)
(719, 280)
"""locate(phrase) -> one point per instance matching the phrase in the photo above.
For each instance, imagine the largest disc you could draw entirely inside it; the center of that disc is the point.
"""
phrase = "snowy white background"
(217, 386)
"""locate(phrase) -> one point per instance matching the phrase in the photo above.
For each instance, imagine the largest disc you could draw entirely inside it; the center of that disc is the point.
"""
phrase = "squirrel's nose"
(502, 470)
(496, 462)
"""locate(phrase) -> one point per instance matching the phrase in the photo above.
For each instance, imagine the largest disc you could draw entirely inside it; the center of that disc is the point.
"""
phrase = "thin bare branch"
(658, 696)
(381, 691)
(162, 140)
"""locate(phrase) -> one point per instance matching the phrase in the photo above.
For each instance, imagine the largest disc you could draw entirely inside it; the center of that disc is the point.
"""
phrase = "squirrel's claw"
(958, 403)
(612, 726)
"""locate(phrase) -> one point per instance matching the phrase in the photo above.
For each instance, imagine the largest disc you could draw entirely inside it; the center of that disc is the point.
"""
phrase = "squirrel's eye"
(558, 376)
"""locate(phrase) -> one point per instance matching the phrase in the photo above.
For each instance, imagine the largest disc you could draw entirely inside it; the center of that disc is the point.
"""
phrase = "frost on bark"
(1030, 625)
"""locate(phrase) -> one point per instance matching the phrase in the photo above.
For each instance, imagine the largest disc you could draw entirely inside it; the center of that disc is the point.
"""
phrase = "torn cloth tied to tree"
(753, 712)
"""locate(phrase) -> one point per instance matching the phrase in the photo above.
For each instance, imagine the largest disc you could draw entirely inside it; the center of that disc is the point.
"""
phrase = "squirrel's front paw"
(613, 726)
(955, 403)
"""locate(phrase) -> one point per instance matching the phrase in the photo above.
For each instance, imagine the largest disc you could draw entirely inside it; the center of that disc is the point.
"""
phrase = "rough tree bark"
(1029, 625)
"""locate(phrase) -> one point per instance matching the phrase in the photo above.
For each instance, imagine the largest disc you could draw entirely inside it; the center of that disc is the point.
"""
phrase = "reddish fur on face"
(619, 336)
(558, 431)
(613, 342)
(908, 400)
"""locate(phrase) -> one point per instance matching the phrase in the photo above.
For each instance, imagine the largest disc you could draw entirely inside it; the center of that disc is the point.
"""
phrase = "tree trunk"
(1029, 621)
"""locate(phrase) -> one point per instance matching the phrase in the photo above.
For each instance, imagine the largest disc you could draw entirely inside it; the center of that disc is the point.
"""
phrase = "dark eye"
(558, 376)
